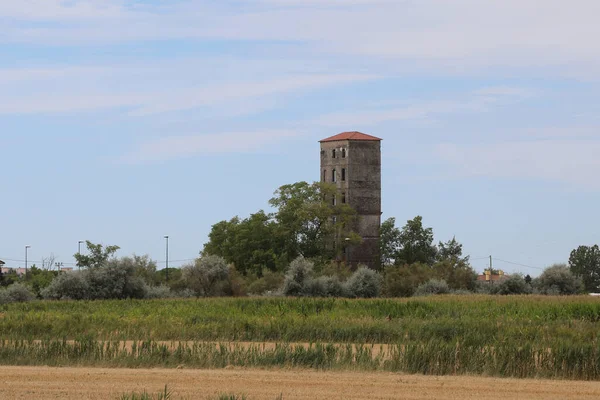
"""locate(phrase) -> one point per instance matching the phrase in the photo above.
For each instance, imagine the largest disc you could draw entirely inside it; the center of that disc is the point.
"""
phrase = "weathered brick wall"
(363, 191)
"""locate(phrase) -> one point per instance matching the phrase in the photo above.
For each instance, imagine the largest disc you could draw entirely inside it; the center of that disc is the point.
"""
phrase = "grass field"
(522, 336)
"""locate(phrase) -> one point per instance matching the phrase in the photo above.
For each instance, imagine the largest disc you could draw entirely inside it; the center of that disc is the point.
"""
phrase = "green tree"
(389, 241)
(558, 280)
(306, 222)
(311, 219)
(250, 244)
(451, 250)
(416, 244)
(585, 262)
(457, 273)
(97, 256)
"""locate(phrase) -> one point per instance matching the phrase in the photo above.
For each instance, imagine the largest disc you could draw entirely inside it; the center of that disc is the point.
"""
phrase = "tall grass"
(435, 357)
(520, 336)
(474, 320)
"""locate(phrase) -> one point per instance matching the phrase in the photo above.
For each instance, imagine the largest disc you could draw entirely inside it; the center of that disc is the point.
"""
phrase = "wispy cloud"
(573, 162)
(175, 147)
(236, 86)
(480, 100)
(456, 35)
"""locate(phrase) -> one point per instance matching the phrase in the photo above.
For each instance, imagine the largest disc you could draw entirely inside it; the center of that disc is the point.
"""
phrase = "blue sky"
(124, 121)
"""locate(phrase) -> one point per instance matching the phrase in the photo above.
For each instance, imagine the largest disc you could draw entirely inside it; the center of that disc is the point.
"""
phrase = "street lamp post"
(79, 253)
(167, 259)
(26, 248)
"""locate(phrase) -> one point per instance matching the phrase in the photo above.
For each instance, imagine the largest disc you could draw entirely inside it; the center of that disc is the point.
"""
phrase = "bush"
(16, 293)
(512, 284)
(207, 277)
(558, 280)
(402, 281)
(269, 282)
(299, 273)
(158, 292)
(432, 287)
(365, 283)
(70, 285)
(114, 281)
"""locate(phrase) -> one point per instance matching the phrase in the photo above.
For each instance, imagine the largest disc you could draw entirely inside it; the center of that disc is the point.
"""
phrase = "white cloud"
(237, 87)
(453, 35)
(173, 147)
(481, 100)
(573, 162)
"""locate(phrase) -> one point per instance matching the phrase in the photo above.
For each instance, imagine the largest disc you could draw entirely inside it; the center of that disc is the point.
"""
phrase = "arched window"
(343, 153)
(333, 176)
(343, 174)
(333, 153)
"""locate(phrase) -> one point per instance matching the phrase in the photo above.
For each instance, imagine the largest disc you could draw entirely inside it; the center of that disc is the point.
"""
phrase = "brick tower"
(352, 161)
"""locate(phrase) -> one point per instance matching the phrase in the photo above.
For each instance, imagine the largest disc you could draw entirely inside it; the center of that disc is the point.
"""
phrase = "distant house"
(491, 276)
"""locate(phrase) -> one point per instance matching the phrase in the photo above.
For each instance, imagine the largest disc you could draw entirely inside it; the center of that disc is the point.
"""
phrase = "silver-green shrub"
(364, 283)
(432, 287)
(68, 286)
(207, 277)
(558, 280)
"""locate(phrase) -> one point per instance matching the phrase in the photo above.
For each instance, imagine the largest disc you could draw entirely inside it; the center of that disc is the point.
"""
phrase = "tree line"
(291, 251)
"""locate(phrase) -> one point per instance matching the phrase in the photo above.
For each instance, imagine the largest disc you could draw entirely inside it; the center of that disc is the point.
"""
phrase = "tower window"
(333, 176)
(333, 153)
(334, 200)
(324, 175)
(343, 153)
(343, 174)
(343, 198)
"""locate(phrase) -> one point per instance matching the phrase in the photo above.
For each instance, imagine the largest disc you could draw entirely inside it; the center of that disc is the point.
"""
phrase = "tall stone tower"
(352, 161)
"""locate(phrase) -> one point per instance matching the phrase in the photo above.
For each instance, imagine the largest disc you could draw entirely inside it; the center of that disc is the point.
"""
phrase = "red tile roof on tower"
(352, 136)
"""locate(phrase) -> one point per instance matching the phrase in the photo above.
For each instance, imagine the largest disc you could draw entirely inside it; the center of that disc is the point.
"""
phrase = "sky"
(125, 121)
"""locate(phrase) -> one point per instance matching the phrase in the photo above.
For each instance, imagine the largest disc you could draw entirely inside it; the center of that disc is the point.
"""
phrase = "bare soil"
(101, 383)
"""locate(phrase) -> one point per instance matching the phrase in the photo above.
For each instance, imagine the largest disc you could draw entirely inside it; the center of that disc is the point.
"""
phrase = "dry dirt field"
(99, 383)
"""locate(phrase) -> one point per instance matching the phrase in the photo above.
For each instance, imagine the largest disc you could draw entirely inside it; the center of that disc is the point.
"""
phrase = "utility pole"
(26, 247)
(167, 259)
(79, 253)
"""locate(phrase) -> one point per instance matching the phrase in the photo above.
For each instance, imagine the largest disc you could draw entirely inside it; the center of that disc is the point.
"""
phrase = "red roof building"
(352, 136)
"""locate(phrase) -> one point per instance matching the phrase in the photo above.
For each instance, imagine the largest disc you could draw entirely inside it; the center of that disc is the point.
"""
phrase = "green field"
(521, 336)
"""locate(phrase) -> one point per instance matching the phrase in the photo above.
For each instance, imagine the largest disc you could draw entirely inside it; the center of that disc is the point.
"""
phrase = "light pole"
(79, 253)
(167, 259)
(26, 248)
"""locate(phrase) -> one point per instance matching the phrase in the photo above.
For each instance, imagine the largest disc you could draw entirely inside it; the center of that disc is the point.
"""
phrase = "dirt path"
(100, 383)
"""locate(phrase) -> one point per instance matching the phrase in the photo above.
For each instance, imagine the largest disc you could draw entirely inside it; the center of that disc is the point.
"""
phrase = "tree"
(97, 257)
(207, 276)
(457, 273)
(249, 244)
(389, 241)
(585, 262)
(451, 250)
(306, 223)
(416, 243)
(558, 280)
(310, 219)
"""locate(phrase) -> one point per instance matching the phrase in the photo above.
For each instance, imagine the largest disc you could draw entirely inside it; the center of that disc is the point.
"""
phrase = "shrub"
(207, 277)
(158, 292)
(432, 287)
(16, 293)
(333, 286)
(558, 280)
(114, 281)
(402, 281)
(512, 284)
(299, 273)
(270, 281)
(70, 285)
(364, 282)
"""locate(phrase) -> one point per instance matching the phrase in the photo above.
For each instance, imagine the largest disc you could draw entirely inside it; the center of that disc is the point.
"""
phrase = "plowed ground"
(100, 383)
